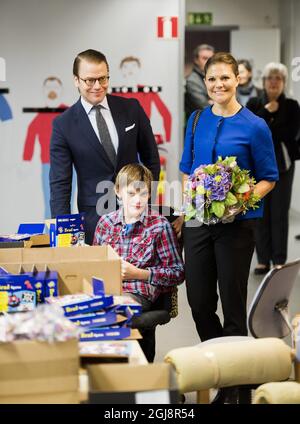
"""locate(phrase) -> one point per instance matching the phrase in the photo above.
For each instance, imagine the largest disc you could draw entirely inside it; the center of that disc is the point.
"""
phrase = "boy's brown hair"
(134, 173)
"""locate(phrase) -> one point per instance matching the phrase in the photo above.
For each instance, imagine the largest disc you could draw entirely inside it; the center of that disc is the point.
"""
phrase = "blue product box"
(17, 293)
(75, 304)
(50, 284)
(98, 286)
(95, 319)
(67, 230)
(44, 282)
(39, 287)
(38, 283)
(122, 302)
(3, 271)
(105, 333)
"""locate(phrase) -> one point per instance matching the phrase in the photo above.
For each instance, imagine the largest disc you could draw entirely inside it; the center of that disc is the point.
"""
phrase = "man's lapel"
(86, 130)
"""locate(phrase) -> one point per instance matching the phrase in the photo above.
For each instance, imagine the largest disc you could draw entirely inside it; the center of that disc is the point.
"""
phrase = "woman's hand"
(272, 106)
(131, 272)
(177, 225)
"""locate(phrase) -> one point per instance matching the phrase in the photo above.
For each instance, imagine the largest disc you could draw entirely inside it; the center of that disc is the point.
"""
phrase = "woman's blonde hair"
(134, 173)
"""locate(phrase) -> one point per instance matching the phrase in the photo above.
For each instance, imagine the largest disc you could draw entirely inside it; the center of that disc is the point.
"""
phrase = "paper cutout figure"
(148, 96)
(40, 130)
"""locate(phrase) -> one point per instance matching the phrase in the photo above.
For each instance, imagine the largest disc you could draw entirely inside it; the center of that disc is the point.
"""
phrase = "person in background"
(196, 96)
(246, 89)
(282, 115)
(99, 134)
(146, 242)
(221, 254)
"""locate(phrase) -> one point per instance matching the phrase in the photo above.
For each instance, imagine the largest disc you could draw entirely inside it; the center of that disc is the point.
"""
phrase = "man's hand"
(131, 272)
(177, 225)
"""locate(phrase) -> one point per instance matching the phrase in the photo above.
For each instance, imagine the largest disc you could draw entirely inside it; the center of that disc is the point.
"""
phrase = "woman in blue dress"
(220, 255)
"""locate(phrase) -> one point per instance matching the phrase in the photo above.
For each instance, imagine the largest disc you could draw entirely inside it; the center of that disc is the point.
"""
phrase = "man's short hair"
(130, 59)
(198, 49)
(52, 79)
(89, 55)
(134, 173)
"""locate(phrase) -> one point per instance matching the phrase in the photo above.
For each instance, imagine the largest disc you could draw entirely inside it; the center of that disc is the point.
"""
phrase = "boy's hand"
(131, 272)
(128, 271)
(177, 225)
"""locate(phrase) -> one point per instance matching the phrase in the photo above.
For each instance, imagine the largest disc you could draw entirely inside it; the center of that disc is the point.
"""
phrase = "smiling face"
(221, 83)
(91, 70)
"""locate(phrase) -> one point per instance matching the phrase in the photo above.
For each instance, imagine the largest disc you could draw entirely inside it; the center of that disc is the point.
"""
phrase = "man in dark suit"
(78, 139)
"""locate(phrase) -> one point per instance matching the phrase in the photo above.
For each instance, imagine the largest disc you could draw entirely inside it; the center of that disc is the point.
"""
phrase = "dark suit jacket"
(74, 141)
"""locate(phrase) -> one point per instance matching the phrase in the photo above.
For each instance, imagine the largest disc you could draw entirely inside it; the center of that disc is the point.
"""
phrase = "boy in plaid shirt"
(146, 242)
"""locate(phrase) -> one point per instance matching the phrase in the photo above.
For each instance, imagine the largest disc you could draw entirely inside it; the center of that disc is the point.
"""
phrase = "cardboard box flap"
(71, 397)
(62, 254)
(31, 367)
(128, 378)
(11, 255)
(72, 265)
(35, 351)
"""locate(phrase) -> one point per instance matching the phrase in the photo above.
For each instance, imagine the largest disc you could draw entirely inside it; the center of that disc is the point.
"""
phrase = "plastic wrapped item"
(45, 323)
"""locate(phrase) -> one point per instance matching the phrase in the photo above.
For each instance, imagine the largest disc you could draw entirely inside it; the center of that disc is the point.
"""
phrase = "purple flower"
(217, 185)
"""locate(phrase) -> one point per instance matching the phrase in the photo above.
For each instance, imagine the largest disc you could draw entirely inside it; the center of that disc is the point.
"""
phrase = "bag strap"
(195, 122)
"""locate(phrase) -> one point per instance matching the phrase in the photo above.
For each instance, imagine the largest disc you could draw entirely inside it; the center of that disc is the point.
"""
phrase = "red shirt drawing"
(146, 100)
(41, 128)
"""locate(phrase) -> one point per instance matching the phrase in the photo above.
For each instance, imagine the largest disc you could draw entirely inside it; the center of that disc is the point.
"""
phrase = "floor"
(181, 330)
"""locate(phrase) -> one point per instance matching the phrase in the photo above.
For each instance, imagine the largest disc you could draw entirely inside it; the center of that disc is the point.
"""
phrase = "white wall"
(245, 13)
(39, 39)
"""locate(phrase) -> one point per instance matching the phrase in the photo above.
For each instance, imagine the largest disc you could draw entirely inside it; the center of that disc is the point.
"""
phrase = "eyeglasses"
(90, 82)
(275, 78)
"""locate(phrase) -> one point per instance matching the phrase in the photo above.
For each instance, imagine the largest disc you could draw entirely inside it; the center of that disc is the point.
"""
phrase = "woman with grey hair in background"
(282, 115)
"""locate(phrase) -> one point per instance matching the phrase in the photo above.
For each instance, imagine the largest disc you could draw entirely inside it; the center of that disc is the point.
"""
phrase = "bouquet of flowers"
(218, 192)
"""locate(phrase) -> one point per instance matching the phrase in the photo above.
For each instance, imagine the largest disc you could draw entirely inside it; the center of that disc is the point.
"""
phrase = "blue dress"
(243, 135)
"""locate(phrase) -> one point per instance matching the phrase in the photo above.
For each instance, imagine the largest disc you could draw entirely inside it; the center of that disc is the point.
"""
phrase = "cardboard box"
(72, 265)
(33, 241)
(132, 384)
(28, 235)
(39, 372)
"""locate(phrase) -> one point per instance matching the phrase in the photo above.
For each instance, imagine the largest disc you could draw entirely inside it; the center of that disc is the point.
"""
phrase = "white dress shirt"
(106, 113)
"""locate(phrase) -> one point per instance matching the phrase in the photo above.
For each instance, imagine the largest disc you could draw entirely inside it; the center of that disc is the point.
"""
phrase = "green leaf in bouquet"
(230, 199)
(243, 188)
(190, 214)
(218, 208)
(229, 160)
(210, 169)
